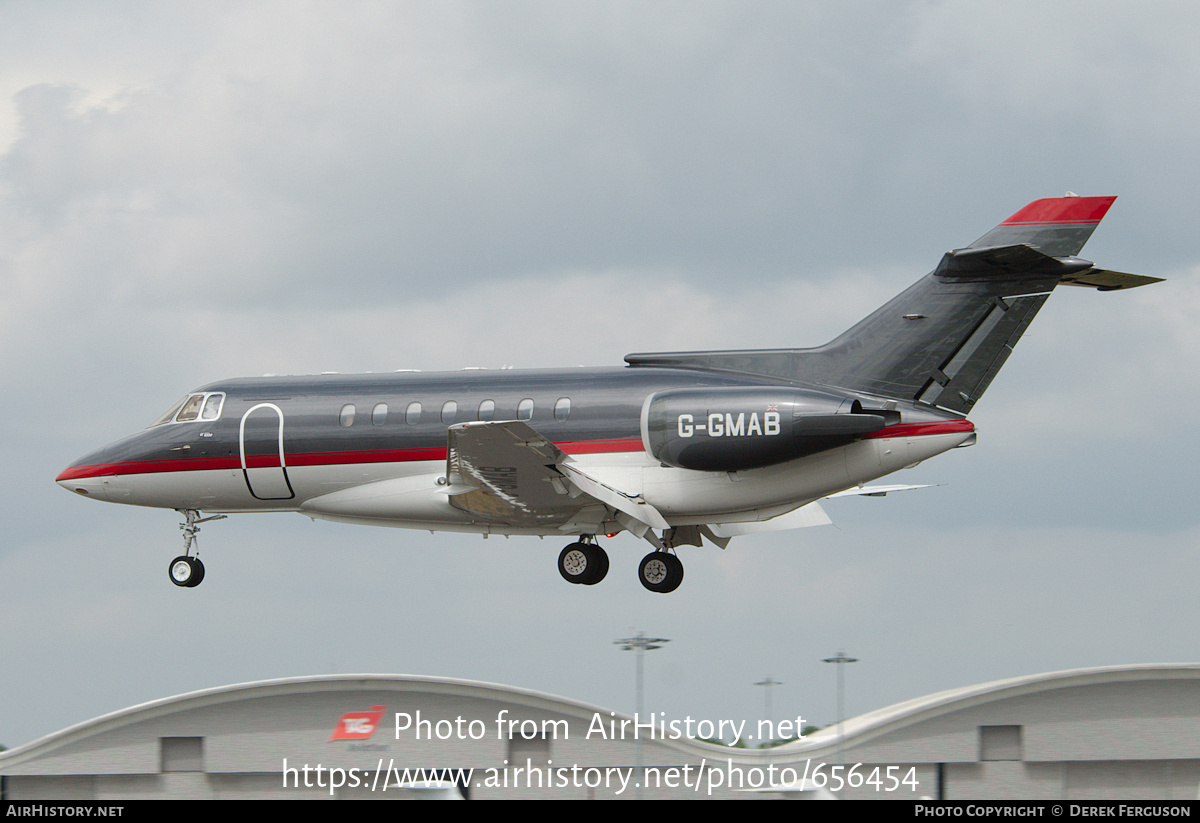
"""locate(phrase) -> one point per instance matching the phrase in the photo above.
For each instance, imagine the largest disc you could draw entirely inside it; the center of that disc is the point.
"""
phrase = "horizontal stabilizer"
(1106, 280)
(1010, 260)
(1006, 260)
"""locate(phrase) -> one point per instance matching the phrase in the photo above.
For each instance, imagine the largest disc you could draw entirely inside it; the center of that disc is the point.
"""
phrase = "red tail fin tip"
(1062, 210)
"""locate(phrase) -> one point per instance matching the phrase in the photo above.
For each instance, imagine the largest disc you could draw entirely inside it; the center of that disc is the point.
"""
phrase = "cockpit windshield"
(202, 406)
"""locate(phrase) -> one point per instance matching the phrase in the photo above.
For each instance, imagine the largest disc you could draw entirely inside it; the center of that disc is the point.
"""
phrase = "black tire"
(182, 571)
(660, 572)
(584, 563)
(198, 577)
(599, 565)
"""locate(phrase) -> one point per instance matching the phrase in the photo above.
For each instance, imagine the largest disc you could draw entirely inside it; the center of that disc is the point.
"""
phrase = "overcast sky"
(191, 192)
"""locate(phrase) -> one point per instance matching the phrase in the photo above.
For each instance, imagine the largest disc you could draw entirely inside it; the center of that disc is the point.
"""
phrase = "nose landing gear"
(187, 571)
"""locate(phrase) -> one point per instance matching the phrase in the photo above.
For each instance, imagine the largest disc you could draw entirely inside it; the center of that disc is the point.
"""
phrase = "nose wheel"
(661, 572)
(186, 572)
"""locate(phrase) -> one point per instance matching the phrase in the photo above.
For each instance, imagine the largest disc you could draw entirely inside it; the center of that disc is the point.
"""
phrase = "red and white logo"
(358, 725)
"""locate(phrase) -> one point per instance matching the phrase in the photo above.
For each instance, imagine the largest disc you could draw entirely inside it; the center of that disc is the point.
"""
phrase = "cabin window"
(346, 418)
(525, 409)
(412, 415)
(212, 406)
(487, 409)
(379, 414)
(562, 408)
(449, 410)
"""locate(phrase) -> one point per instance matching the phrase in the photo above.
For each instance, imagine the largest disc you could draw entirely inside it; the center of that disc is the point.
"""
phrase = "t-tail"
(942, 340)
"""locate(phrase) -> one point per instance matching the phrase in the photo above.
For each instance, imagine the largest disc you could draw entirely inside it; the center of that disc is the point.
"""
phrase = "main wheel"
(599, 565)
(185, 572)
(661, 572)
(583, 563)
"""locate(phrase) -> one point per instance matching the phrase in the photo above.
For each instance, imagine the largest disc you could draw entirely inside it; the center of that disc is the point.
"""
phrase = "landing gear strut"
(583, 562)
(187, 571)
(660, 572)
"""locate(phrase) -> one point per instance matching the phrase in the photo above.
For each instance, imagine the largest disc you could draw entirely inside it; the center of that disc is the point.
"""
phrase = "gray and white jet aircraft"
(673, 447)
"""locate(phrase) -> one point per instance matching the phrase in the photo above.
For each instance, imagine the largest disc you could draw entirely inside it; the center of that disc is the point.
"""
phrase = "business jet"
(676, 448)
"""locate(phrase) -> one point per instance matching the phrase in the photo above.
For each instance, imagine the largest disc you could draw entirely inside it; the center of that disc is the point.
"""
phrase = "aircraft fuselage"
(293, 443)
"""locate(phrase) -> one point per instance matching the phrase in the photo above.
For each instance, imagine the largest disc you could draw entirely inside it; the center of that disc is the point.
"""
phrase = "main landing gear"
(187, 571)
(660, 571)
(585, 562)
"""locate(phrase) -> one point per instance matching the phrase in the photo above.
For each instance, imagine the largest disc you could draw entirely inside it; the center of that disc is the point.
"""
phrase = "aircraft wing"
(803, 517)
(505, 471)
(799, 518)
(875, 491)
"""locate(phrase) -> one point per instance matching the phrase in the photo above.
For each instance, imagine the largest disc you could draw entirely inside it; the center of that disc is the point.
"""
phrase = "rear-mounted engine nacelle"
(731, 429)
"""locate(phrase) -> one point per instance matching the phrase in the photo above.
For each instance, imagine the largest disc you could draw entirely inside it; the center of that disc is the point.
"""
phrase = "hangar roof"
(856, 731)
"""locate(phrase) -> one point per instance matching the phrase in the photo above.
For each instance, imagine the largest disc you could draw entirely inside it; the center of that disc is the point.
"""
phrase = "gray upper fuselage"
(605, 405)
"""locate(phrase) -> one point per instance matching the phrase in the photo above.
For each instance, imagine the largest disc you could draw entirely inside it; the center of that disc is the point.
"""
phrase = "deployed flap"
(635, 507)
(515, 476)
(512, 471)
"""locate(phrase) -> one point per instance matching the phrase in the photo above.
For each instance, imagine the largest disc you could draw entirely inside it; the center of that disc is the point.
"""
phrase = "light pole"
(841, 659)
(641, 644)
(768, 683)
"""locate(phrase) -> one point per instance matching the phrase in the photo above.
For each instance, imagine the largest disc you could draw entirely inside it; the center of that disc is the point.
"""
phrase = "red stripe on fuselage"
(923, 429)
(423, 454)
(601, 446)
(316, 459)
(149, 467)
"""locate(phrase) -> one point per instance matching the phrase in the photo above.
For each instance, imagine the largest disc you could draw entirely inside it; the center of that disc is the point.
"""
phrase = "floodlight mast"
(841, 660)
(768, 683)
(641, 644)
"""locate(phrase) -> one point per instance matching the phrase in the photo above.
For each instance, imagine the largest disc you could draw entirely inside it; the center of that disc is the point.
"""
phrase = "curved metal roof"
(854, 730)
(863, 727)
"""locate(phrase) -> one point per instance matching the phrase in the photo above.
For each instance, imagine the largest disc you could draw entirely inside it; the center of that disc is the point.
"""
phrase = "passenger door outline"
(268, 479)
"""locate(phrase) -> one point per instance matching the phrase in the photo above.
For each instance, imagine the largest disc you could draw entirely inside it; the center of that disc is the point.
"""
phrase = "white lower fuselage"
(413, 494)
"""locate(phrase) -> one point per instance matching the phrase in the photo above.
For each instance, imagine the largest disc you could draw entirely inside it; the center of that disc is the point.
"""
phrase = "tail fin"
(942, 341)
(1055, 226)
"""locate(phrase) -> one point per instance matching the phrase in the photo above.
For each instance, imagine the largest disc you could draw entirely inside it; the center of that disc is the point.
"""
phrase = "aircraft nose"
(85, 476)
